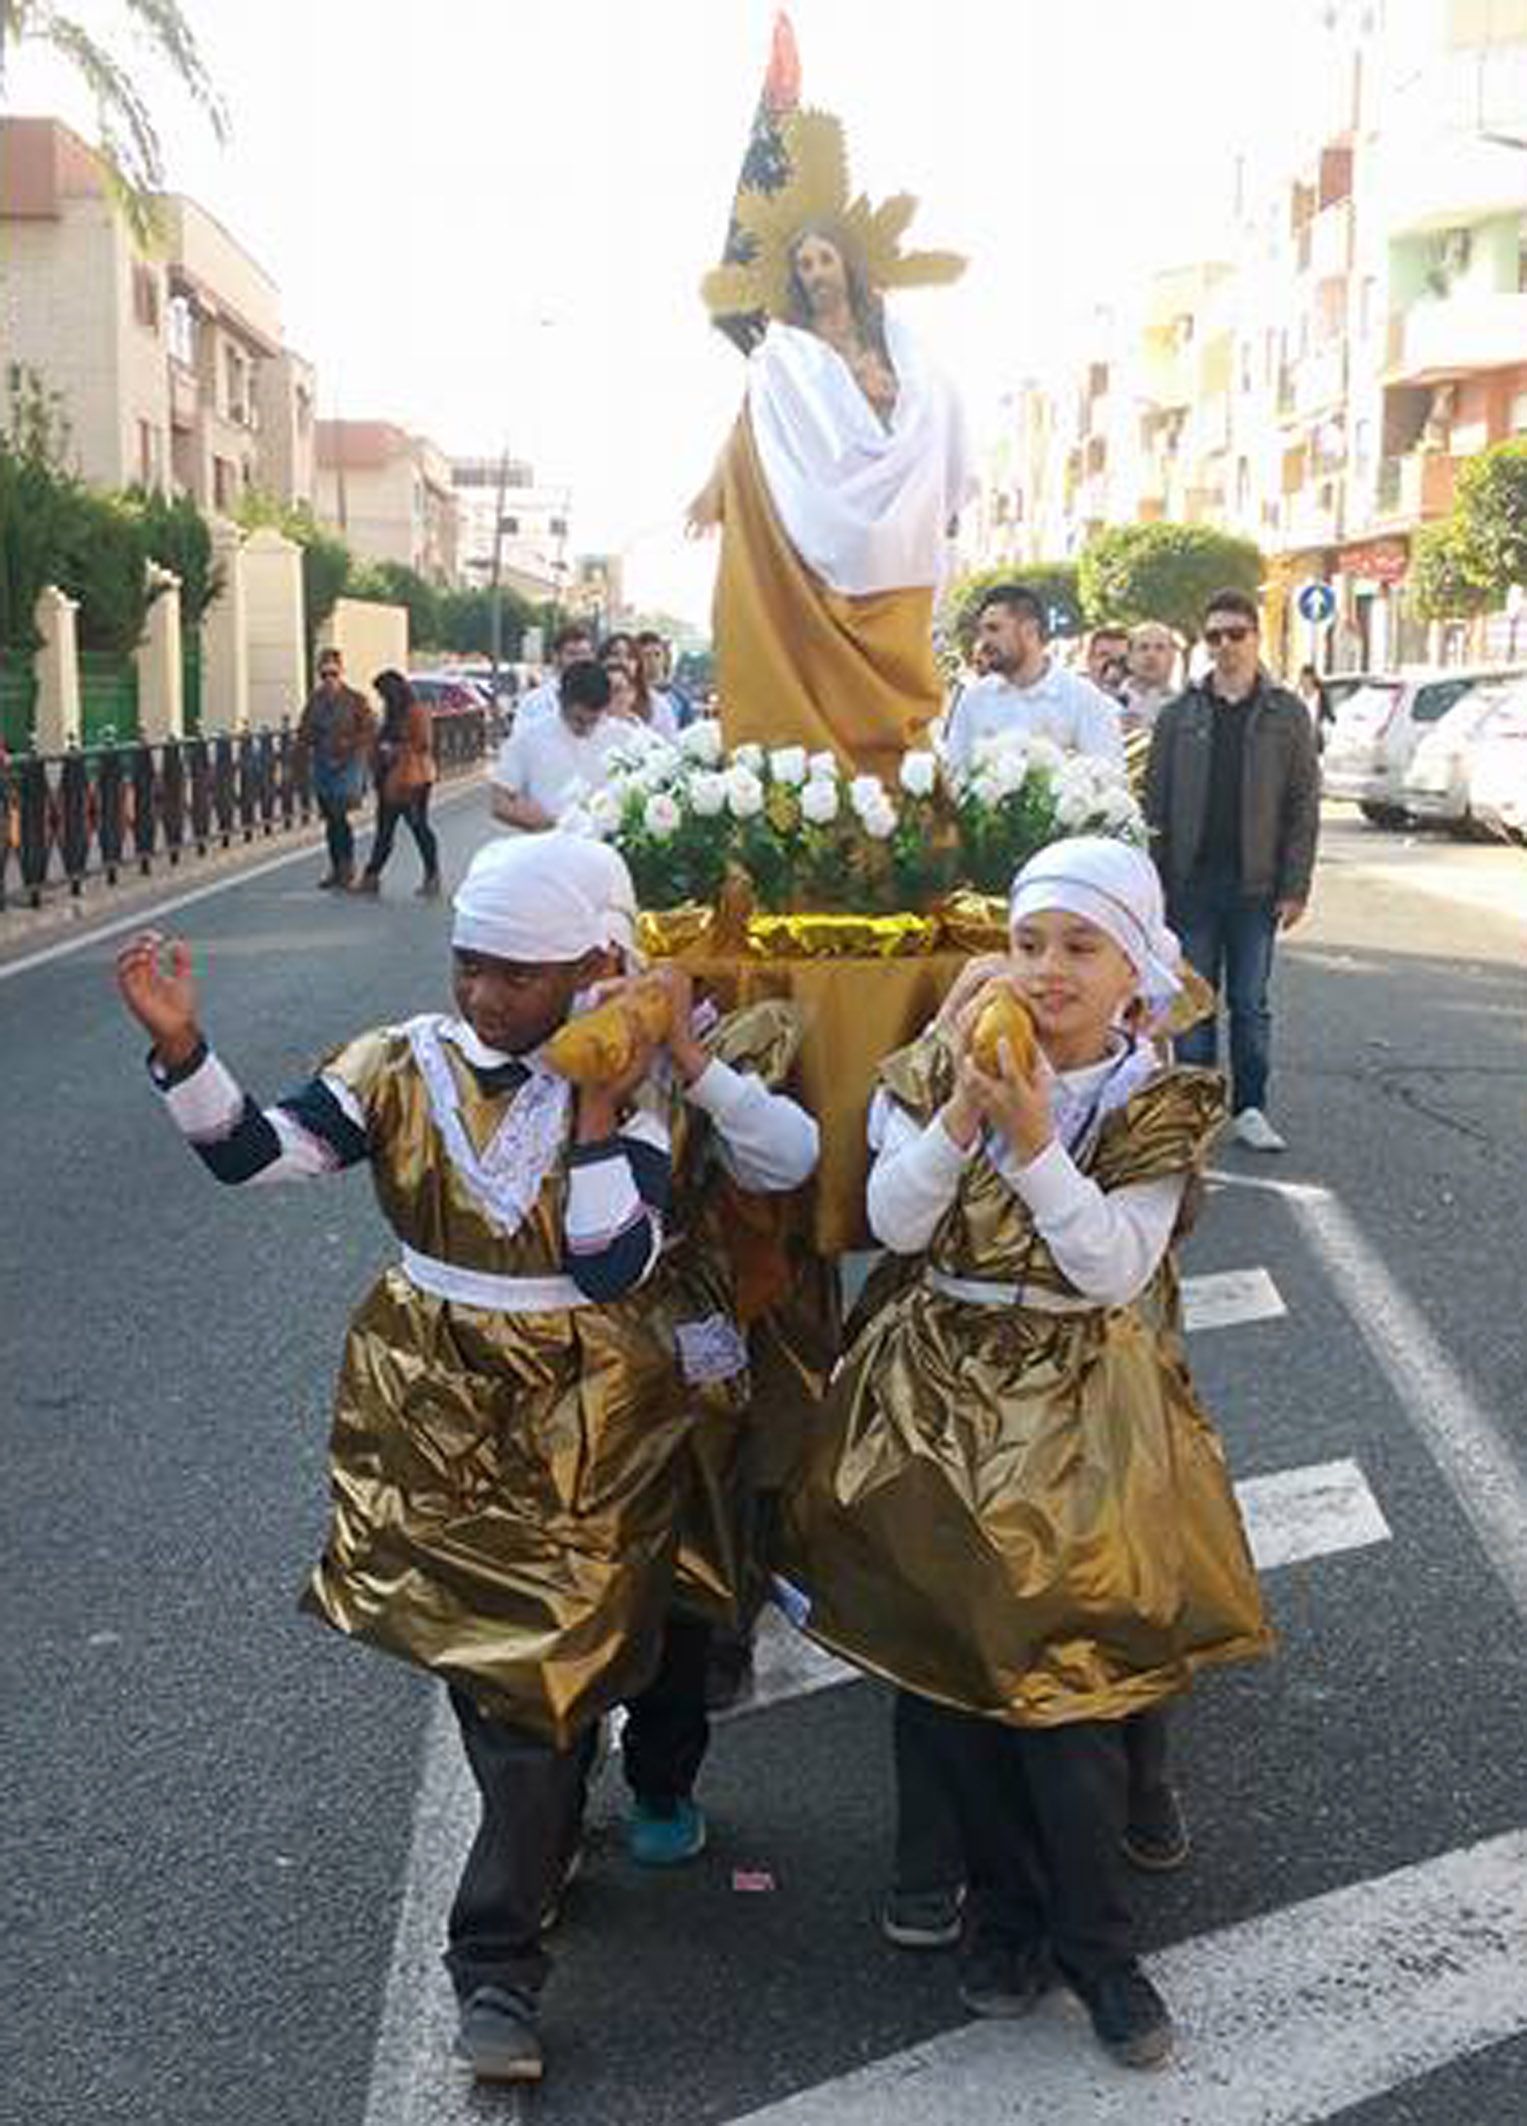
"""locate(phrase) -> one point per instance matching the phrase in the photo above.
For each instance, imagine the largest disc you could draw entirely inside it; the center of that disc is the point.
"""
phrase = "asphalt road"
(225, 1834)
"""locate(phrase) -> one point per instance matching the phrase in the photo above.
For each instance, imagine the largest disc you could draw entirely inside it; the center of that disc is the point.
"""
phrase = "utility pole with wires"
(496, 582)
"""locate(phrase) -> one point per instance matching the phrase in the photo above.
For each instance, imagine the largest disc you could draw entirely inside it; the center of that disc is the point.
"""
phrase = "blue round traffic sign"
(1316, 602)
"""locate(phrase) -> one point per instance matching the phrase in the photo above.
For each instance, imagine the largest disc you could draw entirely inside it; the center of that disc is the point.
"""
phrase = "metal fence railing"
(100, 811)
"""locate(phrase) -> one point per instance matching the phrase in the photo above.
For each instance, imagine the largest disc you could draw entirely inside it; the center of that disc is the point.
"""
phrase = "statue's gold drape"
(800, 664)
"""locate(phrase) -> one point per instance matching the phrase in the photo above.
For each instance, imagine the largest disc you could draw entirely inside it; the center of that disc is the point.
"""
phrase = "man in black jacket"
(1233, 801)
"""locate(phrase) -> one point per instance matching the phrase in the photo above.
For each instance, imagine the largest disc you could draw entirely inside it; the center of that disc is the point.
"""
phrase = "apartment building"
(389, 495)
(171, 363)
(1318, 387)
(505, 513)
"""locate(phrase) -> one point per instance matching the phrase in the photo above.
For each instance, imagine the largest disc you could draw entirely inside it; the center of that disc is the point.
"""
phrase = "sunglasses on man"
(1237, 632)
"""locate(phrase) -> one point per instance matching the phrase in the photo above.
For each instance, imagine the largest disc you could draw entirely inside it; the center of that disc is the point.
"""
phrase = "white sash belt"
(988, 1292)
(481, 1288)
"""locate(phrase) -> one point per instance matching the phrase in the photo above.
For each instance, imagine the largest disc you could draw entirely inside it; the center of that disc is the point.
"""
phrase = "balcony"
(1452, 335)
(1414, 489)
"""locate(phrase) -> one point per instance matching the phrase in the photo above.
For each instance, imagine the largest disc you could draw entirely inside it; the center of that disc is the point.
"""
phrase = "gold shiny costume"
(506, 1486)
(1015, 1510)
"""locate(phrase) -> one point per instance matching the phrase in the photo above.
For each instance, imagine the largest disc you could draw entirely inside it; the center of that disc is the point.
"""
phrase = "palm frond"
(168, 29)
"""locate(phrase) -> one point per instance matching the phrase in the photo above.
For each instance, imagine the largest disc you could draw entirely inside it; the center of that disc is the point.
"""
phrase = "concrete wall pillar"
(224, 638)
(274, 627)
(161, 678)
(58, 672)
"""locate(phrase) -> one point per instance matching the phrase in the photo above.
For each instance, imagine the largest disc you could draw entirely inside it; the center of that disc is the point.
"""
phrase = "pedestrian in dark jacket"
(405, 773)
(1233, 800)
(336, 734)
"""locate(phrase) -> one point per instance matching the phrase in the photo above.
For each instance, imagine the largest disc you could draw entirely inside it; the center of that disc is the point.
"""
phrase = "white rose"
(819, 801)
(749, 755)
(919, 773)
(1073, 808)
(701, 742)
(1120, 809)
(787, 764)
(1045, 753)
(744, 791)
(604, 809)
(879, 821)
(864, 792)
(823, 764)
(707, 795)
(661, 816)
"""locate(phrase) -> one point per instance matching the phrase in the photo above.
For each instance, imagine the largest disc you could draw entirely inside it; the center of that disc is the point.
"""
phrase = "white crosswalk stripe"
(1283, 2020)
(1294, 1965)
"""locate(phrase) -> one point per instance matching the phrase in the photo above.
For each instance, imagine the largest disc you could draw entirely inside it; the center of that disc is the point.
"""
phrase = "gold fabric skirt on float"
(800, 664)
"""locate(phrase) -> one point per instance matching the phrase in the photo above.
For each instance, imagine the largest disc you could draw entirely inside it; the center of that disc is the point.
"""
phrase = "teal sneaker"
(665, 1834)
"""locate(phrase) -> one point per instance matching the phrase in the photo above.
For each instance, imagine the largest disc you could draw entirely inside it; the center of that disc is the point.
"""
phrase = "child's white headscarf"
(530, 898)
(607, 880)
(1116, 886)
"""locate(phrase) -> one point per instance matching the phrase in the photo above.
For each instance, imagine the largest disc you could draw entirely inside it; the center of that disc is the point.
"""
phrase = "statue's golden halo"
(815, 195)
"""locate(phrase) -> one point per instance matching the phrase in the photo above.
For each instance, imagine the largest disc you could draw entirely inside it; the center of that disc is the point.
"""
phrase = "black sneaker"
(1156, 1837)
(923, 1919)
(1132, 2022)
(1002, 1977)
(497, 2036)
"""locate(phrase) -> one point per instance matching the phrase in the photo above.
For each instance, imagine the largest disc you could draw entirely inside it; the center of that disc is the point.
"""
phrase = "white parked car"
(1497, 762)
(1437, 779)
(1378, 728)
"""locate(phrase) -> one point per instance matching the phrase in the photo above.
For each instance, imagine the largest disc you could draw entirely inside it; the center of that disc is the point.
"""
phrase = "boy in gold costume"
(1014, 1506)
(507, 1461)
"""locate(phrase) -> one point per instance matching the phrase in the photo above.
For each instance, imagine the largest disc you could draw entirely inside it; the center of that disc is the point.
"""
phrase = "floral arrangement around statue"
(692, 822)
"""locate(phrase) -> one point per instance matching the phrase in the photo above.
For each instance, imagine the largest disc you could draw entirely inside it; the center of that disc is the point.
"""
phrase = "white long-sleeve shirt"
(766, 1141)
(1060, 705)
(1107, 1243)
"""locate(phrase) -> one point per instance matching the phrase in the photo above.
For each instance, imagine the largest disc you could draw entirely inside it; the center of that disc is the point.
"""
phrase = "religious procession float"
(813, 843)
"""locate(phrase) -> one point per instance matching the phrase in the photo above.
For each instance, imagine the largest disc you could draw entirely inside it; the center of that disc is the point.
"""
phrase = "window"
(235, 386)
(146, 296)
(180, 329)
(1518, 418)
(225, 483)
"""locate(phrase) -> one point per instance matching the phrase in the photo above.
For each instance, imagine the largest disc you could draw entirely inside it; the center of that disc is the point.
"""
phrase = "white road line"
(1316, 1512)
(148, 911)
(1464, 1441)
(1225, 1299)
(1294, 1515)
(1283, 2021)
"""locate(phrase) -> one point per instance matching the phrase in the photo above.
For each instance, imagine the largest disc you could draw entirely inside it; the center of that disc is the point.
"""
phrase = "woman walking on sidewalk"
(405, 771)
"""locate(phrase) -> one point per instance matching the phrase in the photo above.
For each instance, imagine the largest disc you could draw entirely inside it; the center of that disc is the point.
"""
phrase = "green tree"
(1491, 511)
(128, 148)
(34, 442)
(100, 556)
(1449, 577)
(1166, 572)
(178, 537)
(1053, 581)
(393, 583)
(466, 622)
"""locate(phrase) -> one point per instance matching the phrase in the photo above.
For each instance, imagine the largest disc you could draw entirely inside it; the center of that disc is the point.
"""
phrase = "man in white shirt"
(553, 762)
(572, 644)
(1026, 691)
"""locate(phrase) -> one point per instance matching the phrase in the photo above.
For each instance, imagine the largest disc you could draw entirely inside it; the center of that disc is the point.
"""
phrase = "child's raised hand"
(163, 1000)
(1016, 1106)
(968, 984)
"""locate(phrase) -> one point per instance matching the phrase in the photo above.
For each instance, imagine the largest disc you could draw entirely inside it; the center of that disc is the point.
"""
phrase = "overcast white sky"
(429, 184)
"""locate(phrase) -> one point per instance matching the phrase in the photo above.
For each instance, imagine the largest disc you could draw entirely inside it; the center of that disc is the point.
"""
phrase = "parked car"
(1497, 764)
(1379, 727)
(443, 693)
(1437, 778)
